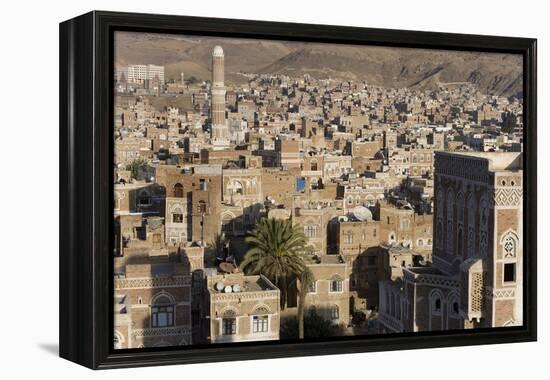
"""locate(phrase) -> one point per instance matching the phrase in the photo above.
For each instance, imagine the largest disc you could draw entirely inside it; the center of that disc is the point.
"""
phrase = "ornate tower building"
(219, 130)
(478, 234)
(476, 276)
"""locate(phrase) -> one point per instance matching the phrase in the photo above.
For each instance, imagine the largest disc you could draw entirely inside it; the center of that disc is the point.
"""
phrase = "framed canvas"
(237, 189)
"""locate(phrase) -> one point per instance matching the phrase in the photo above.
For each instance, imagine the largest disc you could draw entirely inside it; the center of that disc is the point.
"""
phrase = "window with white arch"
(260, 320)
(177, 215)
(162, 311)
(235, 187)
(509, 246)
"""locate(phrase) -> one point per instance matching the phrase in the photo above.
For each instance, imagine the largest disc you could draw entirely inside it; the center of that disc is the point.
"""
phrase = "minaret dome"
(218, 51)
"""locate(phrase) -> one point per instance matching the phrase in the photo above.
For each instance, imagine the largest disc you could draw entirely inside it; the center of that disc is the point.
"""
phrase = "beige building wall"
(250, 312)
(329, 297)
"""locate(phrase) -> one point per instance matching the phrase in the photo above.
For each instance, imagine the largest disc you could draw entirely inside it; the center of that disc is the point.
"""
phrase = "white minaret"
(219, 132)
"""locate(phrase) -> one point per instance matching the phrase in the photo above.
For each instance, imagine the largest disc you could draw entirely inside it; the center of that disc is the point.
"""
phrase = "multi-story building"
(243, 308)
(141, 73)
(328, 295)
(152, 300)
(476, 276)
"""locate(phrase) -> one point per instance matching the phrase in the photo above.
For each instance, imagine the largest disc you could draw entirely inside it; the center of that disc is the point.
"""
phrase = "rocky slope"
(390, 67)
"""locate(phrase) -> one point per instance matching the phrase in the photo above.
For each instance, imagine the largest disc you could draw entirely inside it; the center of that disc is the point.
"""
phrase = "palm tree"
(278, 251)
(306, 278)
(214, 249)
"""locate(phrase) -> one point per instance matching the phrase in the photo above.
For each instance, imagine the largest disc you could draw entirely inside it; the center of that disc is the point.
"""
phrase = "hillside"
(390, 67)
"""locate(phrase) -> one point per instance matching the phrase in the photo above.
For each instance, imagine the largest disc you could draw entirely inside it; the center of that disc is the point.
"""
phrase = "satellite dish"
(219, 286)
(236, 288)
(362, 213)
(228, 289)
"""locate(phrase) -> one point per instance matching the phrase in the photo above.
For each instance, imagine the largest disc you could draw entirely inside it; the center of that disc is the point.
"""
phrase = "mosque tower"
(219, 134)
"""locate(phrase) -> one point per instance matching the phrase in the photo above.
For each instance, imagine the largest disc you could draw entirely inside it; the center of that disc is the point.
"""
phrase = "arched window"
(229, 322)
(483, 226)
(455, 308)
(202, 207)
(178, 190)
(336, 284)
(483, 213)
(117, 200)
(260, 310)
(177, 215)
(227, 223)
(437, 305)
(162, 311)
(310, 230)
(348, 237)
(439, 209)
(313, 165)
(369, 200)
(459, 242)
(144, 198)
(439, 234)
(509, 245)
(471, 238)
(334, 313)
(236, 187)
(460, 208)
(435, 302)
(450, 222)
(260, 320)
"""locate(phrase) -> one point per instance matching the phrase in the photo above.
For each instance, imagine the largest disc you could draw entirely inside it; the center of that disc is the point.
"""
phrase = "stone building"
(242, 200)
(152, 301)
(193, 201)
(400, 224)
(287, 153)
(476, 276)
(315, 221)
(243, 308)
(329, 295)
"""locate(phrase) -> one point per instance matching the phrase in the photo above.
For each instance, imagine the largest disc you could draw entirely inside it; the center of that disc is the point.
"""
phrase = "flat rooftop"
(497, 160)
(240, 282)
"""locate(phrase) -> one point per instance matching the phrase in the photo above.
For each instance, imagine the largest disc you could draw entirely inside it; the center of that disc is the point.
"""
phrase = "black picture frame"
(86, 167)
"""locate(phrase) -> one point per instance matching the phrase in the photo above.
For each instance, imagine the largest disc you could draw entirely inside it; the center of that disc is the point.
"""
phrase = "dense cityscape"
(303, 207)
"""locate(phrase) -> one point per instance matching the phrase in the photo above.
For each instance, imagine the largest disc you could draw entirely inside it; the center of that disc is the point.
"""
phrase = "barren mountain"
(499, 74)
